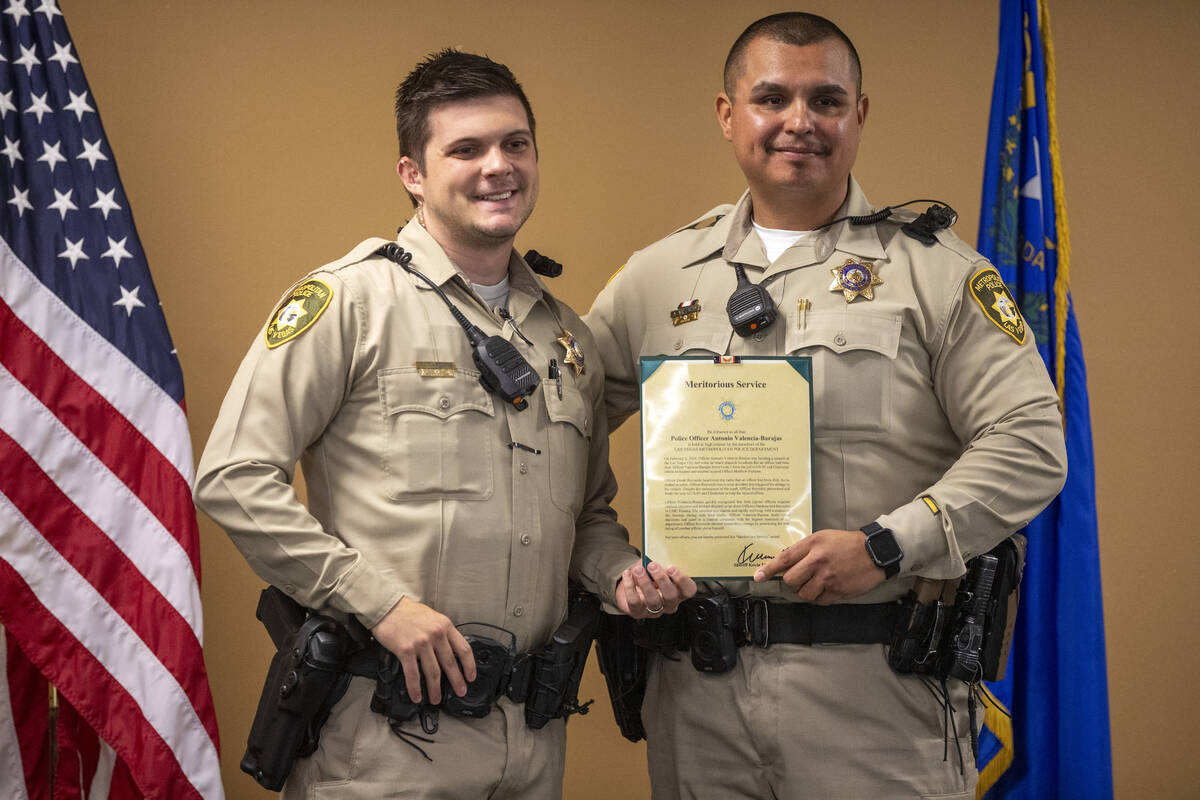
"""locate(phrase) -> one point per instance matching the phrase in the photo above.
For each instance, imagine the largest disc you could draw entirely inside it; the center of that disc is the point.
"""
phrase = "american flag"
(99, 556)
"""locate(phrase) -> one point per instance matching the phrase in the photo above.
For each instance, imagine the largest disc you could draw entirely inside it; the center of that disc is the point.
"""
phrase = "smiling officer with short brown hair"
(440, 492)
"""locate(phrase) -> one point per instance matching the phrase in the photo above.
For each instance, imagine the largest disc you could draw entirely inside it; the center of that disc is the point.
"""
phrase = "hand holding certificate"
(726, 462)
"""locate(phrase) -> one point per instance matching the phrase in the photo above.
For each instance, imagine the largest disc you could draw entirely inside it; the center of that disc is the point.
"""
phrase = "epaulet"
(949, 239)
(361, 252)
(707, 220)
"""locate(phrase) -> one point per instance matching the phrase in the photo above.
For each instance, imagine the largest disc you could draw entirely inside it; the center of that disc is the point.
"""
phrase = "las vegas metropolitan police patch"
(298, 312)
(997, 303)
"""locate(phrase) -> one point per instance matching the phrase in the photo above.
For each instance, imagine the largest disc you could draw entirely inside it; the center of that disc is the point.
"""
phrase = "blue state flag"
(1046, 731)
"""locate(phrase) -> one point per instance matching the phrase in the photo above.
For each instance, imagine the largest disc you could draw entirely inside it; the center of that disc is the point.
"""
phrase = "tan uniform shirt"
(419, 483)
(916, 392)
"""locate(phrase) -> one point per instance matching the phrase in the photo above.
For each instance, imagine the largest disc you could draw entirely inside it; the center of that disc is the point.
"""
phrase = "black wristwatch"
(883, 548)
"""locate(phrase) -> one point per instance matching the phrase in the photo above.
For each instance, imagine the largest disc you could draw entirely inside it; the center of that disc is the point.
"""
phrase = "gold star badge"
(574, 355)
(855, 278)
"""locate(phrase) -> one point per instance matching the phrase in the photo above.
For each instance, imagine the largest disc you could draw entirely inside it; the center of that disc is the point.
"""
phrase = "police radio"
(503, 370)
(750, 307)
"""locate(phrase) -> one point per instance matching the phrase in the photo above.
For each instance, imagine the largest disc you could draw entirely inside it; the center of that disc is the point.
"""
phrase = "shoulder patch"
(997, 303)
(298, 312)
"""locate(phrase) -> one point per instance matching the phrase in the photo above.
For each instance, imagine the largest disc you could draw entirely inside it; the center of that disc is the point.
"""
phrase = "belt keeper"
(520, 680)
(756, 622)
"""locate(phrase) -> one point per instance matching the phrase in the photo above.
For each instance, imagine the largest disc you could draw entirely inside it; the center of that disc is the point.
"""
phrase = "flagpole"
(53, 736)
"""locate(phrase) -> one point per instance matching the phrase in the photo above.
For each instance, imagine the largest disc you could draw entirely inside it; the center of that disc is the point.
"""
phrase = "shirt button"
(839, 340)
(678, 343)
(444, 403)
(519, 611)
(524, 468)
(758, 337)
(526, 538)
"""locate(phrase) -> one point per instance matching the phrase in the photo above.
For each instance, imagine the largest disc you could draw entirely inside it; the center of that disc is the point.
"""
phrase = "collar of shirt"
(858, 240)
(429, 257)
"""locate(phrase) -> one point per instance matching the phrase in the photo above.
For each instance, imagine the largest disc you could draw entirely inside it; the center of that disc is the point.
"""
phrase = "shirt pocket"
(569, 443)
(437, 436)
(704, 336)
(853, 358)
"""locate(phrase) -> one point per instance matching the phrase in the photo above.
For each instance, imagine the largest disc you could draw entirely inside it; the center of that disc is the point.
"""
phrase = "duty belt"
(756, 621)
(764, 623)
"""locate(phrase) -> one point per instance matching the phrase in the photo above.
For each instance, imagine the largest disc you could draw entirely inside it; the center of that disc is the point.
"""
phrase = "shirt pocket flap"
(405, 389)
(571, 408)
(840, 332)
(711, 334)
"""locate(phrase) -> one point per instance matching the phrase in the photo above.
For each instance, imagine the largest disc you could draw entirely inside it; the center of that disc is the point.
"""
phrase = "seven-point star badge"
(855, 278)
(574, 355)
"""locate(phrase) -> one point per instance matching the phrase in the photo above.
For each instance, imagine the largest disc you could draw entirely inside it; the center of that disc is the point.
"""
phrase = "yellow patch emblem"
(997, 303)
(298, 312)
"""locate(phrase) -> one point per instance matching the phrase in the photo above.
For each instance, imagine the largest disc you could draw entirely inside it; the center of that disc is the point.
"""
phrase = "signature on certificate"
(748, 557)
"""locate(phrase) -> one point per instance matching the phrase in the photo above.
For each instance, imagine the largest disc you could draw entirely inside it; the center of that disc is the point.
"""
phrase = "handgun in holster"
(963, 628)
(1002, 615)
(558, 667)
(305, 680)
(625, 664)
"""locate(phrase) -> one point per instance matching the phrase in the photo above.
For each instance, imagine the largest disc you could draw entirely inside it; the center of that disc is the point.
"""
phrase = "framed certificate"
(726, 461)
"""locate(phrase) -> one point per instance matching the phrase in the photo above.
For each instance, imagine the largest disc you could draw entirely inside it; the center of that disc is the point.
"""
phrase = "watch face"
(884, 548)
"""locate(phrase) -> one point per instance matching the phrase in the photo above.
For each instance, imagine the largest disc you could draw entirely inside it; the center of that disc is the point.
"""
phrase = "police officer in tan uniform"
(432, 501)
(937, 435)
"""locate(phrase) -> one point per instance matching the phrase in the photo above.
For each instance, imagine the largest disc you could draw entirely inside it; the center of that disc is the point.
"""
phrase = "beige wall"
(255, 142)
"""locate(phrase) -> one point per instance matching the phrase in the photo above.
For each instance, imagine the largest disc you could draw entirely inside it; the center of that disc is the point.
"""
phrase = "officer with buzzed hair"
(439, 493)
(936, 435)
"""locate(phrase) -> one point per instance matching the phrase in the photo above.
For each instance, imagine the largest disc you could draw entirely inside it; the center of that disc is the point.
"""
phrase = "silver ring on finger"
(655, 611)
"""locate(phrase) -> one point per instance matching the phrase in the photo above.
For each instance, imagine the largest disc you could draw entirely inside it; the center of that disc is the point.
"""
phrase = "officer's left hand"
(649, 592)
(827, 567)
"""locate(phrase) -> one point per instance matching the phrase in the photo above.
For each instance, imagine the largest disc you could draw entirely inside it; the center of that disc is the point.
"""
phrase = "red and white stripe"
(98, 542)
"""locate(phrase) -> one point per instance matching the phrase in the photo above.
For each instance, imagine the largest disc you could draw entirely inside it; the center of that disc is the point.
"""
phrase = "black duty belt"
(765, 623)
(756, 621)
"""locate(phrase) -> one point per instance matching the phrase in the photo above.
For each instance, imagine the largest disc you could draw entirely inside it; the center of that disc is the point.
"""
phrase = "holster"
(625, 666)
(558, 667)
(919, 639)
(1002, 614)
(937, 633)
(305, 680)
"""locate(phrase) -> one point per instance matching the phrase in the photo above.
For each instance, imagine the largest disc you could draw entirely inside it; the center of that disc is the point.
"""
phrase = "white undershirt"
(775, 241)
(494, 295)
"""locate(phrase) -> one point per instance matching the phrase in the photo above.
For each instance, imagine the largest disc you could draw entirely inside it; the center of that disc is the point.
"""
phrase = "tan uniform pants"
(801, 722)
(497, 757)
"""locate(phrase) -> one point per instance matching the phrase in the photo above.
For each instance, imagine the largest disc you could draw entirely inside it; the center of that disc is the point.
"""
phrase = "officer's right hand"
(427, 643)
